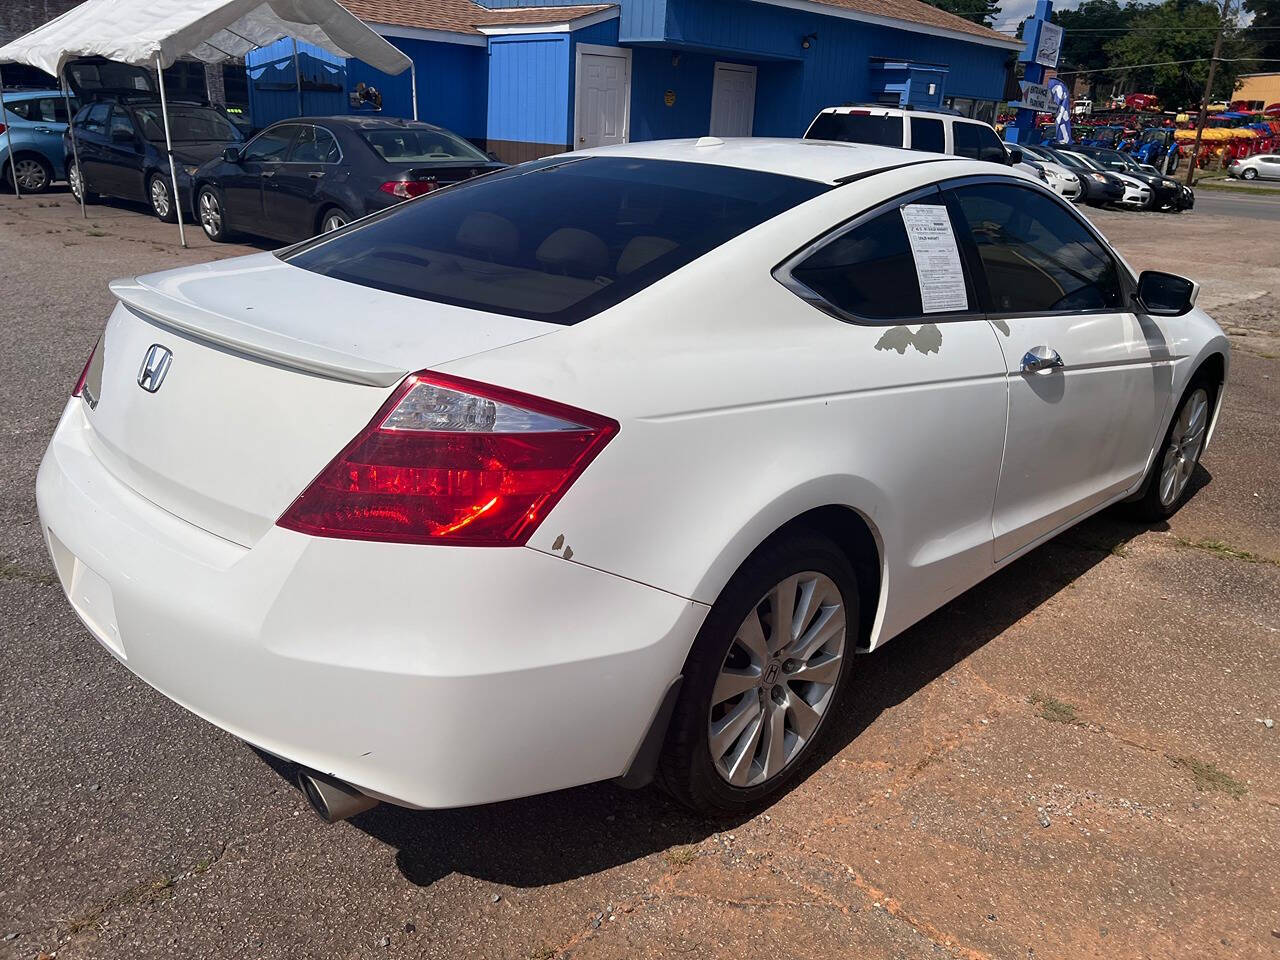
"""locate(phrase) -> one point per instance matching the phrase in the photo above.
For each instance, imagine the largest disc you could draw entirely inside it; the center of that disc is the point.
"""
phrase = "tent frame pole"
(13, 166)
(168, 147)
(413, 86)
(75, 150)
(297, 75)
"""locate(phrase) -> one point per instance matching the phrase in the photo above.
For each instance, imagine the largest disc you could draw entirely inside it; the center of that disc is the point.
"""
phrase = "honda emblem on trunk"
(154, 367)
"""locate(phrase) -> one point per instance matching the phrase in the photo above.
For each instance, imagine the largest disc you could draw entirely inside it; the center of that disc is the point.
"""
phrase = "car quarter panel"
(742, 406)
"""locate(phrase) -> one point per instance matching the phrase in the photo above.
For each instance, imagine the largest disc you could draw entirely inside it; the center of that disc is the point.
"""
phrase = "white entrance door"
(733, 100)
(602, 105)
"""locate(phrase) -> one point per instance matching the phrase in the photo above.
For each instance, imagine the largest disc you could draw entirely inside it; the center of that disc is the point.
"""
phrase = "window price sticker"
(933, 247)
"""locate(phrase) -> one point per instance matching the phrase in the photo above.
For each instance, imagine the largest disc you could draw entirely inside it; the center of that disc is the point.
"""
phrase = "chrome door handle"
(43, 130)
(268, 173)
(1040, 358)
(316, 175)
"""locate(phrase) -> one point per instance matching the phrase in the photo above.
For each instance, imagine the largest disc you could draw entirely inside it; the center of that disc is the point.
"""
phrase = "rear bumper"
(430, 676)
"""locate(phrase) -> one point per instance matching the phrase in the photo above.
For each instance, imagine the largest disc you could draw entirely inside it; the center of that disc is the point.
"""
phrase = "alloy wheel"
(332, 222)
(31, 175)
(1186, 440)
(159, 197)
(210, 213)
(777, 680)
(74, 181)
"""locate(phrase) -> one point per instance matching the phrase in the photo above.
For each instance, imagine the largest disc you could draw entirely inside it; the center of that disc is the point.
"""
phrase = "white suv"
(933, 132)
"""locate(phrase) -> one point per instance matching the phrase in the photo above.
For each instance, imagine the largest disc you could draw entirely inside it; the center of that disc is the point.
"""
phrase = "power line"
(1169, 63)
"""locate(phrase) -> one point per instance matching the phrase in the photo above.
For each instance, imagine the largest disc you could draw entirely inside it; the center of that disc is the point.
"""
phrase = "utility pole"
(1208, 92)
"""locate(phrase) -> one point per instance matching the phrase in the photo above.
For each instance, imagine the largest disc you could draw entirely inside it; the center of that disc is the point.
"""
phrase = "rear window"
(857, 128)
(556, 240)
(414, 145)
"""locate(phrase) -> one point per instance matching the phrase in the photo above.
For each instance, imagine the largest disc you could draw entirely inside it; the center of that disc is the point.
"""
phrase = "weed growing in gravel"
(1208, 777)
(1226, 550)
(1053, 709)
(682, 856)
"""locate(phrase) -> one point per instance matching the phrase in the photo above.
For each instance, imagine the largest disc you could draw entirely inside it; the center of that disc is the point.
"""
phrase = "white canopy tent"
(158, 32)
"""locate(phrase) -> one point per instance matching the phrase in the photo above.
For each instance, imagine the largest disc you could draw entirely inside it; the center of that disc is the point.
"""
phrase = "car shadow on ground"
(116, 210)
(574, 833)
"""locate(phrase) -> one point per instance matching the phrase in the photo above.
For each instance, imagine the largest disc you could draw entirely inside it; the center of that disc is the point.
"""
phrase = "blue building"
(526, 81)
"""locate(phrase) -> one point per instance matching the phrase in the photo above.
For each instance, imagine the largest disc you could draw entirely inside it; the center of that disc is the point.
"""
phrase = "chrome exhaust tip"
(331, 799)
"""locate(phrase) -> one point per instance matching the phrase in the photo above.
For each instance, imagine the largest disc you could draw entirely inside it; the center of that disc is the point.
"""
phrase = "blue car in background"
(36, 120)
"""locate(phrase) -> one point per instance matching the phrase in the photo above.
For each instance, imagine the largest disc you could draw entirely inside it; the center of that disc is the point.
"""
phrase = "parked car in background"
(1166, 193)
(121, 146)
(304, 176)
(929, 130)
(1061, 179)
(1137, 195)
(1100, 187)
(1265, 166)
(35, 119)
(520, 567)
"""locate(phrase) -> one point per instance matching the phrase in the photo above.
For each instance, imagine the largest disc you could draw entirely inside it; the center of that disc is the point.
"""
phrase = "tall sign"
(1043, 41)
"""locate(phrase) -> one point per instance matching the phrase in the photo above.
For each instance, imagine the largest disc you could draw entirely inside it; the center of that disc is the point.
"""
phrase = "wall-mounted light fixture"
(807, 40)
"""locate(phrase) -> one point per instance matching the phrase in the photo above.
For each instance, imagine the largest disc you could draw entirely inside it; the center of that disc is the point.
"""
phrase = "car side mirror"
(494, 156)
(231, 154)
(1165, 294)
(1015, 156)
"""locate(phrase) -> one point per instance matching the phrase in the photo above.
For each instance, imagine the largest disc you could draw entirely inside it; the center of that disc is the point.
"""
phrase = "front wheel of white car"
(1168, 482)
(765, 674)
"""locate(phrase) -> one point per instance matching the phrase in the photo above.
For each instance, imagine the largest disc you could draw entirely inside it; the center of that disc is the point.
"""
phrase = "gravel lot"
(1067, 761)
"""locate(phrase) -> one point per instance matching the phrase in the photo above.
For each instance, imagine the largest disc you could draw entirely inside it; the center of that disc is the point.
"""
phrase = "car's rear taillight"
(406, 189)
(84, 374)
(448, 460)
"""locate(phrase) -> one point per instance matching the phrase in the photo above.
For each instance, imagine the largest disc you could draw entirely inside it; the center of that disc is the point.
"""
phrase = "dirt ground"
(1070, 760)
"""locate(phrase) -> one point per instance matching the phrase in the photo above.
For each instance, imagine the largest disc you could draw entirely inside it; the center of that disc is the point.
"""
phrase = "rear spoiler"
(223, 331)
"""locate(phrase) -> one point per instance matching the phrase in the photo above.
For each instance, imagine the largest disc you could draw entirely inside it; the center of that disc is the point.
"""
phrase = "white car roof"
(822, 160)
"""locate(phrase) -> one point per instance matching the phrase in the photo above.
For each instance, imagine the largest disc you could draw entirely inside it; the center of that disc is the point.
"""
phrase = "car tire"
(1249, 174)
(212, 214)
(332, 218)
(775, 709)
(160, 196)
(1168, 482)
(35, 174)
(77, 185)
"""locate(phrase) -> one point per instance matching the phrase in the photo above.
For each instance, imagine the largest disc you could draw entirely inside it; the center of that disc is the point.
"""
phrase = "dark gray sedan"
(308, 175)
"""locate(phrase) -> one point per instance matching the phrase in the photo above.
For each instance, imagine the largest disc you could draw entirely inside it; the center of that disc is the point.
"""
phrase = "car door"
(291, 199)
(1269, 167)
(242, 185)
(90, 140)
(122, 157)
(1087, 377)
(928, 372)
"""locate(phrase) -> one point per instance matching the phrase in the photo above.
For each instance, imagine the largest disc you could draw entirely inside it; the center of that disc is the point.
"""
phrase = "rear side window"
(556, 240)
(314, 145)
(977, 142)
(43, 110)
(927, 135)
(857, 128)
(1037, 257)
(96, 117)
(868, 272)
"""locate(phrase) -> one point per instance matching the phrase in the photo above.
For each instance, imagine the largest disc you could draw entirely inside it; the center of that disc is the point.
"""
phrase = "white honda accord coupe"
(608, 464)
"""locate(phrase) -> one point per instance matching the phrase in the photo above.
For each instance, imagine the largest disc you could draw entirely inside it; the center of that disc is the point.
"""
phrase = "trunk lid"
(271, 370)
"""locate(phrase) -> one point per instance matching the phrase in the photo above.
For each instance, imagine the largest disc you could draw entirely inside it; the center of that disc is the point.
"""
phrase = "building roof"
(466, 16)
(461, 16)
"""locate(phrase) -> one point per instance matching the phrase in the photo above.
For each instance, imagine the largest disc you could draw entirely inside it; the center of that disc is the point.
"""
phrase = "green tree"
(1176, 30)
(1089, 28)
(984, 12)
(1263, 34)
